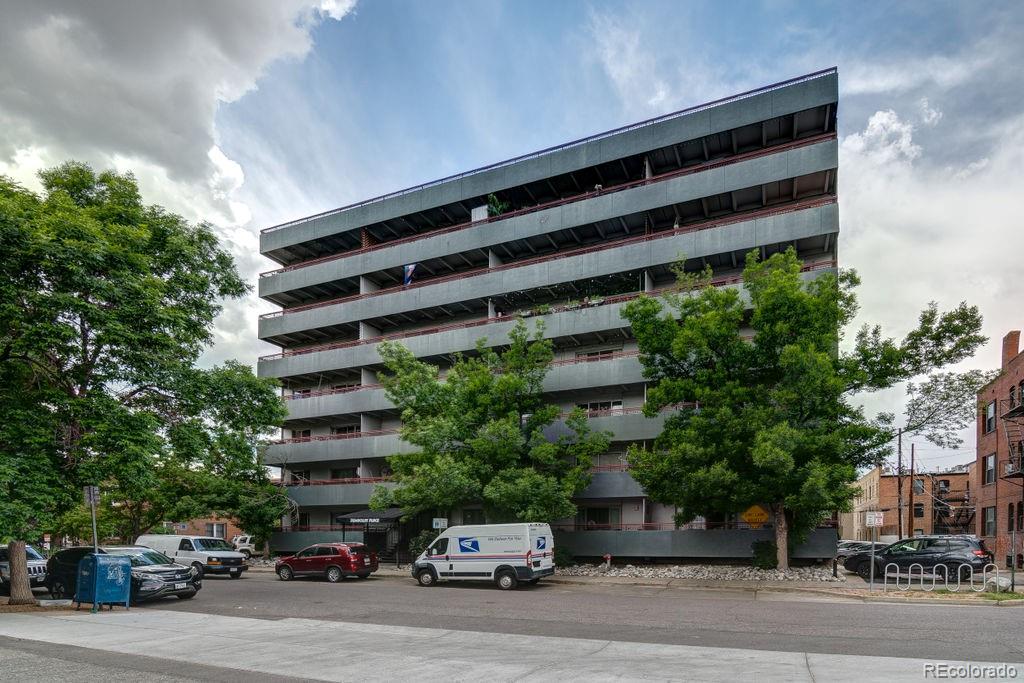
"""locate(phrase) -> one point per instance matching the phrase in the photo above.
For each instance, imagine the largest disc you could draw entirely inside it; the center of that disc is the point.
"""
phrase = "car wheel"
(285, 573)
(506, 580)
(864, 570)
(58, 591)
(186, 596)
(246, 554)
(198, 568)
(334, 574)
(965, 573)
(426, 577)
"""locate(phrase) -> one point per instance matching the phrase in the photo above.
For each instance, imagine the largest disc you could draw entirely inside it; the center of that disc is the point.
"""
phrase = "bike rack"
(961, 572)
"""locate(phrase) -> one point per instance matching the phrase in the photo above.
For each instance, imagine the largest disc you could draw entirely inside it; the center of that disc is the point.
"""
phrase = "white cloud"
(136, 86)
(918, 232)
(930, 116)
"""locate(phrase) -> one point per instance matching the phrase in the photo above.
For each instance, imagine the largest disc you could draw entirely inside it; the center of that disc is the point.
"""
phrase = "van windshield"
(212, 544)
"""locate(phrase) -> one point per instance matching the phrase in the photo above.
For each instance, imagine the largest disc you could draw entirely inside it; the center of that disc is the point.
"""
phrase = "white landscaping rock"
(709, 572)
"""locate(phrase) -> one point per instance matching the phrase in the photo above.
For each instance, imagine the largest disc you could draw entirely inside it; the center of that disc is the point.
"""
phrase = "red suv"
(334, 561)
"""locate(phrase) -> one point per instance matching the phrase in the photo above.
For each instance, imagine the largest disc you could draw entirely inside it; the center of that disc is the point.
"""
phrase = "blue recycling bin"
(104, 580)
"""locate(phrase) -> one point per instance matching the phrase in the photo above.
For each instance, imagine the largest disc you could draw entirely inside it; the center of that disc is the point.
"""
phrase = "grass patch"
(999, 597)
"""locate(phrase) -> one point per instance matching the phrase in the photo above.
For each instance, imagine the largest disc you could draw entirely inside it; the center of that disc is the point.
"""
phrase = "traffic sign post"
(92, 496)
(440, 522)
(873, 520)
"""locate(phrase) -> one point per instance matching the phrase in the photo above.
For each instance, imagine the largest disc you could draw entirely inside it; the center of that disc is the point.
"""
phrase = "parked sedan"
(927, 551)
(333, 561)
(154, 575)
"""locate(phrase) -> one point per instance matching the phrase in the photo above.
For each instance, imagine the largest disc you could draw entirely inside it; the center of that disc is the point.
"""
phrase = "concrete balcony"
(333, 494)
(462, 337)
(690, 124)
(353, 447)
(563, 376)
(769, 165)
(611, 485)
(592, 261)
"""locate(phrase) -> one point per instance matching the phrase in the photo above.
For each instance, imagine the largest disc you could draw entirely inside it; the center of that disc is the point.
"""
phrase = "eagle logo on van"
(469, 545)
(541, 543)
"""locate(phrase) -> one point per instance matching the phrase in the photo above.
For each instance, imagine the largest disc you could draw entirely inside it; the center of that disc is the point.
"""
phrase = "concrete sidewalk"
(341, 651)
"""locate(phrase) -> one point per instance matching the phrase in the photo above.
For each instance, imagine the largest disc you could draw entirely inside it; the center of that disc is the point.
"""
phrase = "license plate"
(234, 570)
(180, 586)
(366, 560)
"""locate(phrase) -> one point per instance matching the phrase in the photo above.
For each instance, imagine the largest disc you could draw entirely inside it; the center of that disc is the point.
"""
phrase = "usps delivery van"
(506, 554)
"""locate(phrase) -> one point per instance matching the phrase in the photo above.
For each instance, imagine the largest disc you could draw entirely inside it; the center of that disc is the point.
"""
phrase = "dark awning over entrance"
(389, 516)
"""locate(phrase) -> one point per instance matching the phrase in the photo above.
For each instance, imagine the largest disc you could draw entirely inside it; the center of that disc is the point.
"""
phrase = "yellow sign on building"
(755, 516)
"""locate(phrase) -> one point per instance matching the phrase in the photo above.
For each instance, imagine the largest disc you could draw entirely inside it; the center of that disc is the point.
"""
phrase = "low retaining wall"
(682, 544)
(283, 542)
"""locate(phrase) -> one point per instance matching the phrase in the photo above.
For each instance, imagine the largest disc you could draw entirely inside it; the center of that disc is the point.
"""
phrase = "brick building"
(1000, 439)
(936, 503)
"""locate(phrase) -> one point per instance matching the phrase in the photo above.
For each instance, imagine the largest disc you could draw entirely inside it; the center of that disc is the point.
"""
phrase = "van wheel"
(199, 568)
(426, 577)
(506, 580)
(285, 573)
(333, 574)
(236, 576)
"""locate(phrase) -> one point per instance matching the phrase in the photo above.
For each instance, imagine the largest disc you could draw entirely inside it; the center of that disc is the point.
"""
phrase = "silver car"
(36, 568)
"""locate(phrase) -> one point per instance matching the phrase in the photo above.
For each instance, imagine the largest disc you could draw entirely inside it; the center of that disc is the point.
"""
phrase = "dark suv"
(153, 575)
(927, 551)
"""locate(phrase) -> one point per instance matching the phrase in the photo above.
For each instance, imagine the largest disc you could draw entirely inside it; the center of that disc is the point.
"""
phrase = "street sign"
(873, 519)
(755, 516)
(92, 494)
(440, 522)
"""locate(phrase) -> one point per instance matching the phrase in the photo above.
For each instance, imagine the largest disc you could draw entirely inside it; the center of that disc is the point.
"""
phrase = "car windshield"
(212, 544)
(30, 553)
(142, 558)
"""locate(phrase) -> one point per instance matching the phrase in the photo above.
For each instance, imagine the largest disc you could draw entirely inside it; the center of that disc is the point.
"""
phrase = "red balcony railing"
(614, 244)
(619, 298)
(563, 146)
(617, 467)
(689, 170)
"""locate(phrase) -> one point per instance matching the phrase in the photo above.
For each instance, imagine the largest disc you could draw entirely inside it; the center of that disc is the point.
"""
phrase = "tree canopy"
(763, 390)
(105, 306)
(479, 434)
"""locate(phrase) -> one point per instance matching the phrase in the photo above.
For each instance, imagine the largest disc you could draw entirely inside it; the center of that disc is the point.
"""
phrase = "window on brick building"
(919, 486)
(1020, 516)
(988, 519)
(990, 418)
(990, 469)
(1009, 518)
(919, 509)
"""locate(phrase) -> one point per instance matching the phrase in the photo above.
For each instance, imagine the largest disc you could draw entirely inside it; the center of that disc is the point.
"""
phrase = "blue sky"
(251, 113)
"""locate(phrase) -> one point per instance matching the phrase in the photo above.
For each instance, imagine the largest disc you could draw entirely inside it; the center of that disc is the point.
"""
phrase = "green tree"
(479, 434)
(768, 418)
(106, 306)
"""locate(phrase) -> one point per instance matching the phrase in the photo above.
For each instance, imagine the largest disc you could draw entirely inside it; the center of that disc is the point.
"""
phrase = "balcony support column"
(493, 260)
(366, 285)
(367, 331)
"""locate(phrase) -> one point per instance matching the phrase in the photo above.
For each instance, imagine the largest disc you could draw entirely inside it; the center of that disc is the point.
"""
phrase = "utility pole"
(910, 506)
(899, 483)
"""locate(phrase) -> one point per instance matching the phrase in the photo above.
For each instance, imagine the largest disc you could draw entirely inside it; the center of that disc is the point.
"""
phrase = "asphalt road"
(710, 618)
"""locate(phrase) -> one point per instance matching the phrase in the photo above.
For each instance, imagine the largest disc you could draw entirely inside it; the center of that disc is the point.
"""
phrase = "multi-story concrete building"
(573, 233)
(1000, 438)
(942, 502)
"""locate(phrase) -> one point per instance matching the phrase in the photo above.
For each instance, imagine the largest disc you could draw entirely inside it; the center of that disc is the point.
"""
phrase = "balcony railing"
(335, 482)
(360, 387)
(610, 412)
(617, 467)
(619, 298)
(689, 170)
(564, 146)
(615, 244)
